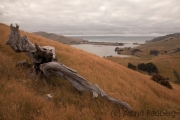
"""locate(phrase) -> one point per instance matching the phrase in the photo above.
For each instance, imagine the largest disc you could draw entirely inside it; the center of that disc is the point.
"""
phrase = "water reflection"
(102, 50)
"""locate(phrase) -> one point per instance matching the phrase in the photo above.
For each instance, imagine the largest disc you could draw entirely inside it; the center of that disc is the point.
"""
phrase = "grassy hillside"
(59, 38)
(167, 59)
(24, 98)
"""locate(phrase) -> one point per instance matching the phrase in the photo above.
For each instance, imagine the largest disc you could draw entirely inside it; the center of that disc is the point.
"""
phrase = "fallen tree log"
(46, 64)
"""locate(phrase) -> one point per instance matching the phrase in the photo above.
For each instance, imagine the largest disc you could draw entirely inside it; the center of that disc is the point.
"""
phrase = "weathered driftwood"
(23, 63)
(47, 65)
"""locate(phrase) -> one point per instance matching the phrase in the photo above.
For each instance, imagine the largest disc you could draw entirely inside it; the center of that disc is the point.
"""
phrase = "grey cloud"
(1, 13)
(93, 16)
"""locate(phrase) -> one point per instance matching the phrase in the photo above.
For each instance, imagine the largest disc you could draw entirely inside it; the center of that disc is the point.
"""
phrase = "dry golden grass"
(166, 63)
(22, 98)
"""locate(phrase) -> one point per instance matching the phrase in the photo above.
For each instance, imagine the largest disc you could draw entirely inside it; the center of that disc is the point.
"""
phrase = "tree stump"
(46, 64)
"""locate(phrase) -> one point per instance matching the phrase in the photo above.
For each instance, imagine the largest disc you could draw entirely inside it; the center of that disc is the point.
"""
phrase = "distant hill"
(176, 35)
(59, 38)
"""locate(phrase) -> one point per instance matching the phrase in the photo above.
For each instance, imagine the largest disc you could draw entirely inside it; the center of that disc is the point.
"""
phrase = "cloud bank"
(93, 17)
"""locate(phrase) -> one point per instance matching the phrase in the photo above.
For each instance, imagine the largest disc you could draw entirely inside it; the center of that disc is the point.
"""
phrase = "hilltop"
(176, 35)
(59, 38)
(24, 98)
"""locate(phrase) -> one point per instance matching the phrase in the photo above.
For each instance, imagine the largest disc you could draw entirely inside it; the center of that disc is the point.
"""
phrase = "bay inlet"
(108, 50)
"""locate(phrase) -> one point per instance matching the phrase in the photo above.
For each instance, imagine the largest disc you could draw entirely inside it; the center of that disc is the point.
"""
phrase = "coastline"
(102, 50)
(104, 43)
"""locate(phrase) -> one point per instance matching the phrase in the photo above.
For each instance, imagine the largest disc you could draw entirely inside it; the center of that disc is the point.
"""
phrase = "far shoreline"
(103, 43)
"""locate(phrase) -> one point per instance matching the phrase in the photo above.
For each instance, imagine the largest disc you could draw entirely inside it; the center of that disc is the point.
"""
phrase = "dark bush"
(142, 66)
(154, 52)
(117, 49)
(131, 66)
(161, 80)
(149, 67)
(178, 49)
(177, 76)
(136, 50)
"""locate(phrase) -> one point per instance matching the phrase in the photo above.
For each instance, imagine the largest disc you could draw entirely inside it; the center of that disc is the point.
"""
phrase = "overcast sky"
(93, 17)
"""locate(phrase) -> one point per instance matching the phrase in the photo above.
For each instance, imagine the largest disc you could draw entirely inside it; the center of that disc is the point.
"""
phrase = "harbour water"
(102, 50)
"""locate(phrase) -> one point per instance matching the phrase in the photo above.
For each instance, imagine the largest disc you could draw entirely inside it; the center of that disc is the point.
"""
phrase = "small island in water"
(102, 43)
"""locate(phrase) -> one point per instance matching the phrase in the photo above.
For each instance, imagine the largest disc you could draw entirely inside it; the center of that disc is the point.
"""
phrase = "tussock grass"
(24, 98)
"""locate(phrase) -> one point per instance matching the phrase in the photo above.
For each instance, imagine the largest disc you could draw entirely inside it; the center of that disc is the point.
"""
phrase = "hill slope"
(59, 38)
(24, 98)
(167, 59)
